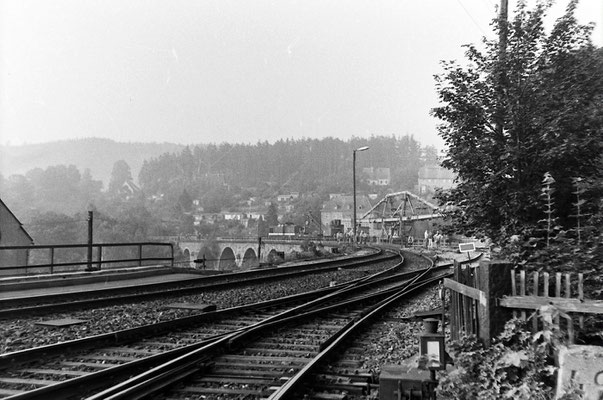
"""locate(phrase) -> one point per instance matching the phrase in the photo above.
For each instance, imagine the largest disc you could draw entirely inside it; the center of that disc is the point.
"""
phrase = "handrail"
(86, 261)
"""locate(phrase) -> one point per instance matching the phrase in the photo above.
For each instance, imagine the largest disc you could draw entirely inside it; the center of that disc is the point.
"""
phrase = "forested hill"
(306, 165)
(98, 155)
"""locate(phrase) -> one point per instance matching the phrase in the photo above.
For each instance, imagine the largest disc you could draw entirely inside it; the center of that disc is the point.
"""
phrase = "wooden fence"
(485, 297)
(563, 291)
(473, 307)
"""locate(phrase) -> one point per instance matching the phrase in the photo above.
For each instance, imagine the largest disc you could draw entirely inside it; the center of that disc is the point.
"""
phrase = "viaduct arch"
(241, 253)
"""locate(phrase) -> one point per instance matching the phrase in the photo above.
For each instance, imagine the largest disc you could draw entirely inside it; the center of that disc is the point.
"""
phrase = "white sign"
(466, 247)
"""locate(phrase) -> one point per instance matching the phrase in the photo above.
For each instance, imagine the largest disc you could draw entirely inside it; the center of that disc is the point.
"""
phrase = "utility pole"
(503, 17)
(90, 221)
(363, 148)
(502, 60)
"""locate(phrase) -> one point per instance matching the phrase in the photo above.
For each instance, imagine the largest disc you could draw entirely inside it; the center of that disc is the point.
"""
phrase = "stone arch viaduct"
(241, 253)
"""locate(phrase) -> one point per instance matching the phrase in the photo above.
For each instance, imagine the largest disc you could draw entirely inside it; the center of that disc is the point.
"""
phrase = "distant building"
(339, 211)
(287, 197)
(233, 216)
(377, 176)
(129, 189)
(12, 233)
(207, 218)
(433, 177)
(255, 214)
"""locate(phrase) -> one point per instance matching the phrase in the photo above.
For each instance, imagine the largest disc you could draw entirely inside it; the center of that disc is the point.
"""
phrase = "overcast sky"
(239, 71)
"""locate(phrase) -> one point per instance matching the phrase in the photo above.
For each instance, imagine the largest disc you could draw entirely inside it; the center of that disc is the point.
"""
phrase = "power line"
(471, 17)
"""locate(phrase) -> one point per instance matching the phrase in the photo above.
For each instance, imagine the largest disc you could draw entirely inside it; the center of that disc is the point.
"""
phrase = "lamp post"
(354, 185)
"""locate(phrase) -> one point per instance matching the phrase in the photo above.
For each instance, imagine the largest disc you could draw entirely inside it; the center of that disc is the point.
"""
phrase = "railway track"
(40, 304)
(96, 362)
(39, 368)
(271, 360)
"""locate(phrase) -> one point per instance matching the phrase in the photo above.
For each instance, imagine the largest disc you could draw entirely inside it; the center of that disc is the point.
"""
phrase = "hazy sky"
(203, 71)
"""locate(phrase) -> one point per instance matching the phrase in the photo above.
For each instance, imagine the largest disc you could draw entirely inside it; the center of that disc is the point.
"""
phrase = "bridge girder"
(400, 208)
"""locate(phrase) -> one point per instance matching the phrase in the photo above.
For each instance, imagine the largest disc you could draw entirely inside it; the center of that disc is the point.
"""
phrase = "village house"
(287, 197)
(377, 176)
(433, 177)
(339, 211)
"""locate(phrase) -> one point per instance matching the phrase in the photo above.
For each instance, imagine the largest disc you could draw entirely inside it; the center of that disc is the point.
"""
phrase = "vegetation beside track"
(523, 122)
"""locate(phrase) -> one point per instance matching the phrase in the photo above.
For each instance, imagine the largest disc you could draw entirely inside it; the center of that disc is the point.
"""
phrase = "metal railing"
(162, 252)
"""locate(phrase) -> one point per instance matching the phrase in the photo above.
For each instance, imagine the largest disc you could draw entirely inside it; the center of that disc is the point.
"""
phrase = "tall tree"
(120, 174)
(272, 215)
(544, 115)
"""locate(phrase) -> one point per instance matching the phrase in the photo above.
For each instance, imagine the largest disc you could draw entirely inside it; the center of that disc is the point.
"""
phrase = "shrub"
(518, 364)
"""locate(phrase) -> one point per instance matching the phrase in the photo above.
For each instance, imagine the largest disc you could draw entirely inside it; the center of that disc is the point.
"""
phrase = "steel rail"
(123, 336)
(75, 385)
(171, 372)
(86, 381)
(293, 383)
(162, 376)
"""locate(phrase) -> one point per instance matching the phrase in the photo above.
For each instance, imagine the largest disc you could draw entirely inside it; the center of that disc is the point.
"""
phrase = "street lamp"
(354, 181)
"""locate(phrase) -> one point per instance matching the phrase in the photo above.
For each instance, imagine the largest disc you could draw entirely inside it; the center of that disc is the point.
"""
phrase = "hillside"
(98, 155)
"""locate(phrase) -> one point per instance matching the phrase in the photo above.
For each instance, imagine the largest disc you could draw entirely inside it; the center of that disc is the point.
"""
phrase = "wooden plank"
(522, 290)
(569, 320)
(581, 297)
(256, 358)
(193, 306)
(465, 290)
(459, 307)
(535, 293)
(250, 366)
(453, 307)
(494, 283)
(87, 364)
(55, 372)
(474, 318)
(61, 323)
(546, 284)
(22, 381)
(468, 304)
(223, 391)
(566, 305)
(557, 294)
(513, 289)
(8, 392)
(457, 304)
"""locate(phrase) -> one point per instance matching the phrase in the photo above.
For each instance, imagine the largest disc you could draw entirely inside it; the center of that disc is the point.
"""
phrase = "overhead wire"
(471, 17)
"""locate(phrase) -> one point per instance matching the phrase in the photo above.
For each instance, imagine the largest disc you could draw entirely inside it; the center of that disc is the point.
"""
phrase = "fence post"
(494, 282)
(140, 255)
(99, 256)
(90, 224)
(51, 260)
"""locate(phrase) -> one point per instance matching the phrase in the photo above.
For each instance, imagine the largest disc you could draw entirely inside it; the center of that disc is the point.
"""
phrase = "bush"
(518, 365)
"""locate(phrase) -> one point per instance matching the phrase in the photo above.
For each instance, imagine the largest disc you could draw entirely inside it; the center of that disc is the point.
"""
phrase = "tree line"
(53, 202)
(307, 166)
